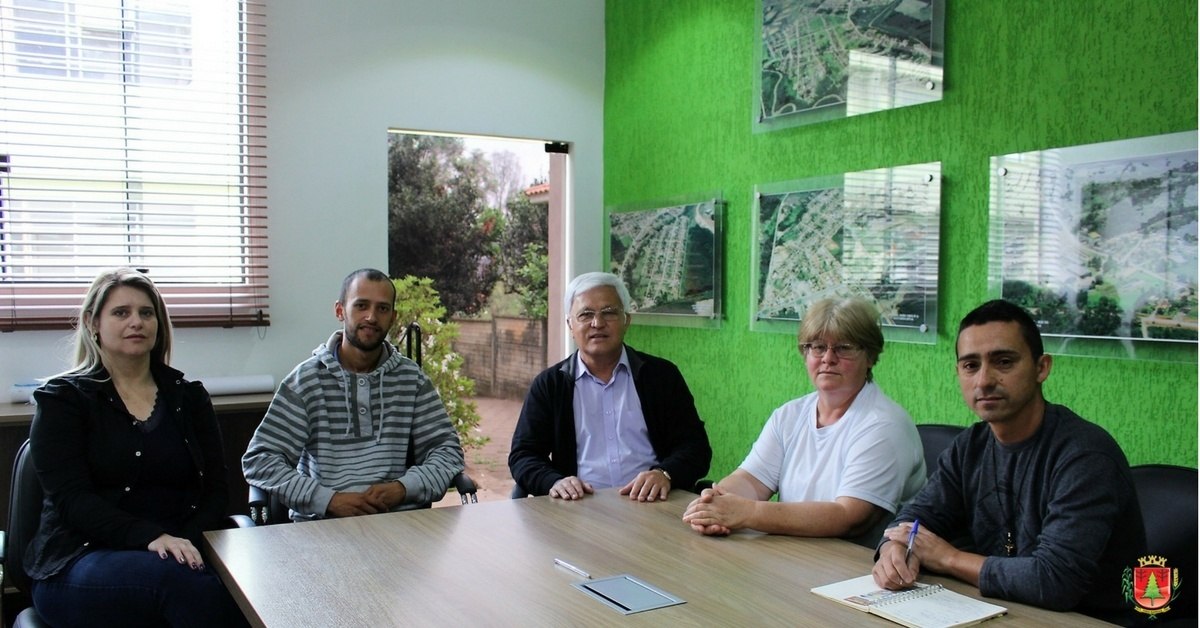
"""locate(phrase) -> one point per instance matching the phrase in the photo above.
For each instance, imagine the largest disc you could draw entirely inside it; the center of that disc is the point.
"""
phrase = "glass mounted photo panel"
(819, 60)
(1098, 242)
(669, 255)
(873, 234)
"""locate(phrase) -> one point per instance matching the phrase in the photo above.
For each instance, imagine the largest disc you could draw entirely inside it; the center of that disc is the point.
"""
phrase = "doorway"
(486, 218)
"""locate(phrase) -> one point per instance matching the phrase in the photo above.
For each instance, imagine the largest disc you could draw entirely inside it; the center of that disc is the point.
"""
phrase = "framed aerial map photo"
(1099, 243)
(873, 234)
(824, 59)
(669, 255)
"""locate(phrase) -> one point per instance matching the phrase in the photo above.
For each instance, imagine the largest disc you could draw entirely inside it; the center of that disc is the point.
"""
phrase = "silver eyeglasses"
(844, 350)
(608, 315)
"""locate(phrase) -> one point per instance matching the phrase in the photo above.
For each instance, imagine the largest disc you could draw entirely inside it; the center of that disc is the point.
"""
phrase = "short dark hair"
(370, 274)
(1001, 311)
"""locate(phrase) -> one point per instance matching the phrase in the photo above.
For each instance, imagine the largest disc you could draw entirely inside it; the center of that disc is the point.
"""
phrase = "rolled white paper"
(22, 392)
(238, 384)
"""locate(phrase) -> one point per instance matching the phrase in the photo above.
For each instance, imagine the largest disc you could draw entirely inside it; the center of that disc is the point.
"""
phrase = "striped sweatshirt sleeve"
(271, 458)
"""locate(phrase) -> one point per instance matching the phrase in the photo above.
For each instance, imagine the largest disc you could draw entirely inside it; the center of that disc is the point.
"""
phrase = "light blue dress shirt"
(611, 441)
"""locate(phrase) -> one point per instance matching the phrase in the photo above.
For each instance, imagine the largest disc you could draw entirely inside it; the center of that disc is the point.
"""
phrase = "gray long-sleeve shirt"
(329, 430)
(1068, 498)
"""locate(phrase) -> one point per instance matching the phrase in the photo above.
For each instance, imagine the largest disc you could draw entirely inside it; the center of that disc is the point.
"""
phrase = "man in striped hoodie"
(357, 428)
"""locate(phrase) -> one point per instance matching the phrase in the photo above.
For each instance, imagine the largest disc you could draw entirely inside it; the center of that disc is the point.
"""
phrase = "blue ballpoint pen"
(912, 536)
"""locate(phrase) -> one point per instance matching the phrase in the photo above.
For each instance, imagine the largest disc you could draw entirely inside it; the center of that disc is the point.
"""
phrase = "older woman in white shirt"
(841, 459)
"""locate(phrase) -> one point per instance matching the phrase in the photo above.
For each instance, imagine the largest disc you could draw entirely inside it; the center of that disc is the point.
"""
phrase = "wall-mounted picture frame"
(669, 255)
(1099, 243)
(872, 233)
(820, 60)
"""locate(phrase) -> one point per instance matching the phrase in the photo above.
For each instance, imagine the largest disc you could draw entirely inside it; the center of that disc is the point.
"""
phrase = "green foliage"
(522, 247)
(1154, 320)
(503, 303)
(438, 226)
(1101, 318)
(535, 281)
(1047, 307)
(1127, 584)
(417, 301)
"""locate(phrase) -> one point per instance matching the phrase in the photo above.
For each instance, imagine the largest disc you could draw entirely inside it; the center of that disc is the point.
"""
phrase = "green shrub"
(417, 301)
(535, 276)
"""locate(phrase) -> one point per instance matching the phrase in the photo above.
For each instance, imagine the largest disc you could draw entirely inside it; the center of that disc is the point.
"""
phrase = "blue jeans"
(134, 588)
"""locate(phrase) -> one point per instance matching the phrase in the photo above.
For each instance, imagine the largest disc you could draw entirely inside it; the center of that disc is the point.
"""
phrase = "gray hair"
(587, 281)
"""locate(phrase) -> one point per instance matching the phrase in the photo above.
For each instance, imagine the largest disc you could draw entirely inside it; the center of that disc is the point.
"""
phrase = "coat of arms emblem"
(1150, 585)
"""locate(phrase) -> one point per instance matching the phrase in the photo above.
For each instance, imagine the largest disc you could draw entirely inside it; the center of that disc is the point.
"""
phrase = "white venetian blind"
(132, 133)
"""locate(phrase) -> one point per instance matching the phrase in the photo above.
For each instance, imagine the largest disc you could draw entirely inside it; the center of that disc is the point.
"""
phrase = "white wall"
(339, 75)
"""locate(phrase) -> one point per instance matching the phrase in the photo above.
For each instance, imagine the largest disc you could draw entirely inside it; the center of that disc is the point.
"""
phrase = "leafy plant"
(417, 301)
(534, 280)
(522, 253)
(438, 224)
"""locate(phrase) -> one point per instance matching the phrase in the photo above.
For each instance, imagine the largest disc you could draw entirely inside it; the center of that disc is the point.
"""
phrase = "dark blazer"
(85, 449)
(543, 446)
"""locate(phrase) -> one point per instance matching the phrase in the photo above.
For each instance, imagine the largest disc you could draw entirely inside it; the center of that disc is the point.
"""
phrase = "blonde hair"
(87, 349)
(854, 320)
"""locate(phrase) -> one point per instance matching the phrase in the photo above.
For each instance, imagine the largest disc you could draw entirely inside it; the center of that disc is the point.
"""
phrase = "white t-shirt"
(872, 453)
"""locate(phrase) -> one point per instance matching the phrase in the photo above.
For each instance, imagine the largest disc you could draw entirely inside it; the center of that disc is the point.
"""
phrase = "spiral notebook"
(922, 606)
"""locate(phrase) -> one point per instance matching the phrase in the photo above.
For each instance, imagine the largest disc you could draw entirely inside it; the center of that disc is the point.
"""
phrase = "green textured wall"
(1021, 75)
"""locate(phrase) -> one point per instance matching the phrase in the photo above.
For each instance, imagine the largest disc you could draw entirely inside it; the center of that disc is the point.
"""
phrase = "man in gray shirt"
(1040, 503)
(357, 428)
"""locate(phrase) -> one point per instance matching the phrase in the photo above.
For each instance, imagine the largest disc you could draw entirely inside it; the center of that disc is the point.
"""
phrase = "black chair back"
(935, 439)
(1167, 495)
(412, 342)
(24, 515)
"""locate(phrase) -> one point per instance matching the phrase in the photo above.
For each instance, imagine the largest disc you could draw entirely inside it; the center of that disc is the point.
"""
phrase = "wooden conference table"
(492, 564)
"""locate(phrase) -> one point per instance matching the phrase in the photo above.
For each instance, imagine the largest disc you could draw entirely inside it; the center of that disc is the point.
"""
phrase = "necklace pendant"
(1009, 547)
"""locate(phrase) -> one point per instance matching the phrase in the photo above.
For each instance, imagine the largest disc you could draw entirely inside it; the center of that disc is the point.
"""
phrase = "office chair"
(1167, 495)
(267, 509)
(24, 515)
(935, 439)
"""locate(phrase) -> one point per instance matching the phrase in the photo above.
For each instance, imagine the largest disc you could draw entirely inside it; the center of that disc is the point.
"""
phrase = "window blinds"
(132, 133)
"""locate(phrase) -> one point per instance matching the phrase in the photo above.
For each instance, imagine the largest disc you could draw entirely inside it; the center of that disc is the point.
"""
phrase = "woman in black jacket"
(129, 455)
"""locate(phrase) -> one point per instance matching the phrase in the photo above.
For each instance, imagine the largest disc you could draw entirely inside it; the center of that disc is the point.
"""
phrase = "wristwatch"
(663, 471)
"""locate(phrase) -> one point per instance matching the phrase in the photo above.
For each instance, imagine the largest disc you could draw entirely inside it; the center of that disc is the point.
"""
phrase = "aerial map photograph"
(668, 258)
(876, 236)
(1121, 260)
(807, 46)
